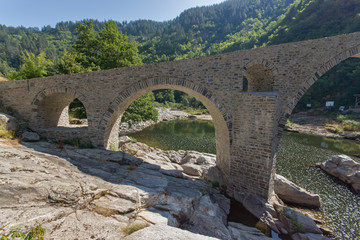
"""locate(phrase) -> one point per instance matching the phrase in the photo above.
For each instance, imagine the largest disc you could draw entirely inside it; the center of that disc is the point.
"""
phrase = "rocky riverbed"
(100, 194)
(94, 193)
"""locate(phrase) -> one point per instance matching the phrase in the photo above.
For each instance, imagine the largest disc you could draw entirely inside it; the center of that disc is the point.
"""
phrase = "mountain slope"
(200, 31)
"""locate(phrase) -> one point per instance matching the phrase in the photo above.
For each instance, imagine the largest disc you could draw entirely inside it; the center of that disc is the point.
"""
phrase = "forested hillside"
(231, 25)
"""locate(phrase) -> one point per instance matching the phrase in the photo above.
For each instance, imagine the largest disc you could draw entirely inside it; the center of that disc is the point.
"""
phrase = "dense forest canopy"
(201, 31)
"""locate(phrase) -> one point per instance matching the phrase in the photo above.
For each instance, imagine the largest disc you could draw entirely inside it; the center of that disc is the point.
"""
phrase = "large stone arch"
(110, 122)
(50, 106)
(324, 68)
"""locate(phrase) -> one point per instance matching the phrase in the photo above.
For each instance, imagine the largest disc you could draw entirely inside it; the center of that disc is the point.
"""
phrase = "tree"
(107, 48)
(141, 109)
(32, 66)
(72, 63)
(114, 48)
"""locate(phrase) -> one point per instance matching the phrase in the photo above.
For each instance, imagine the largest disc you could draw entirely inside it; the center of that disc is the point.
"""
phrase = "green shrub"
(7, 134)
(341, 118)
(334, 128)
(215, 184)
(36, 233)
(351, 124)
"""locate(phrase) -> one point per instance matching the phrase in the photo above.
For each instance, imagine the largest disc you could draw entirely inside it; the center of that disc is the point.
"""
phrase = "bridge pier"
(252, 152)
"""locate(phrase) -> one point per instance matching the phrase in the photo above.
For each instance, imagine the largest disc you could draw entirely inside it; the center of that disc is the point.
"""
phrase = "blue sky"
(39, 13)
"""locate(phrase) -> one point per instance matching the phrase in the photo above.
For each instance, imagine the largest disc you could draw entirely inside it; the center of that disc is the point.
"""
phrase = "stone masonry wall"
(249, 125)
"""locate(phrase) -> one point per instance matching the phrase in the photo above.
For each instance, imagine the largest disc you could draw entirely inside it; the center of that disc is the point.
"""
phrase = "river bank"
(165, 114)
(304, 122)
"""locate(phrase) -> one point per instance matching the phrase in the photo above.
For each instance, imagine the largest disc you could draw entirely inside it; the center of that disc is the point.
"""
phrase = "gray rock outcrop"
(94, 193)
(11, 123)
(164, 232)
(344, 168)
(291, 193)
(30, 136)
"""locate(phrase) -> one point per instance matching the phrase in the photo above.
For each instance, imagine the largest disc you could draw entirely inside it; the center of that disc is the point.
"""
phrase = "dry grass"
(2, 79)
(134, 227)
(7, 134)
(132, 167)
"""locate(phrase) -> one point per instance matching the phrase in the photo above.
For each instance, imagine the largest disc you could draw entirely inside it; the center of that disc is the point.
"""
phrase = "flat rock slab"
(164, 232)
(291, 193)
(109, 205)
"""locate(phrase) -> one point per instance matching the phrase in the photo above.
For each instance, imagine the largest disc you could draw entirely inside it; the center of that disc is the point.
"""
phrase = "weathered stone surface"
(154, 217)
(206, 160)
(344, 168)
(297, 222)
(192, 169)
(124, 139)
(308, 236)
(213, 174)
(239, 231)
(291, 193)
(110, 205)
(30, 136)
(163, 232)
(9, 122)
(208, 213)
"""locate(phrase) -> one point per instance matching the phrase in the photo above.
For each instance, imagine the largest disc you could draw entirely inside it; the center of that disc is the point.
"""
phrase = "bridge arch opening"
(258, 78)
(60, 110)
(51, 108)
(337, 82)
(222, 120)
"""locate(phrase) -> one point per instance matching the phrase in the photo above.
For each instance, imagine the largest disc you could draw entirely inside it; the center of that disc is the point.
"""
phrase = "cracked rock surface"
(98, 194)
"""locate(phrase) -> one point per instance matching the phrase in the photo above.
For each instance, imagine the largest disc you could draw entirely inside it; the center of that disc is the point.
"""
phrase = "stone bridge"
(248, 122)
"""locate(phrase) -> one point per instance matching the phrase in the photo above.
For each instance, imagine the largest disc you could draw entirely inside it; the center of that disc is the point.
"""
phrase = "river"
(297, 155)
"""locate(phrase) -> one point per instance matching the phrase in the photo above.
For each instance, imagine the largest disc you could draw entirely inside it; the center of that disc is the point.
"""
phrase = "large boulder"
(9, 122)
(192, 169)
(291, 193)
(344, 168)
(208, 219)
(296, 222)
(30, 136)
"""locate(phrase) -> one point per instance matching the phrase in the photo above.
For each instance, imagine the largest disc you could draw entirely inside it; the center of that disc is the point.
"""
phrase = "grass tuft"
(7, 134)
(133, 228)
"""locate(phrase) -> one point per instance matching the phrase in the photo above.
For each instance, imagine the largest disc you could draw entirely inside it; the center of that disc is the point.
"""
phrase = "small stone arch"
(110, 122)
(259, 76)
(50, 106)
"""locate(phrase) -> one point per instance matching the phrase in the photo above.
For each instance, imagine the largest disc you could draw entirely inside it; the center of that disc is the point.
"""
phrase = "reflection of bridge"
(248, 125)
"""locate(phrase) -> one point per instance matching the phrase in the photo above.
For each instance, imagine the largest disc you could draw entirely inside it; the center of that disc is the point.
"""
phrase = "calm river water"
(297, 154)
